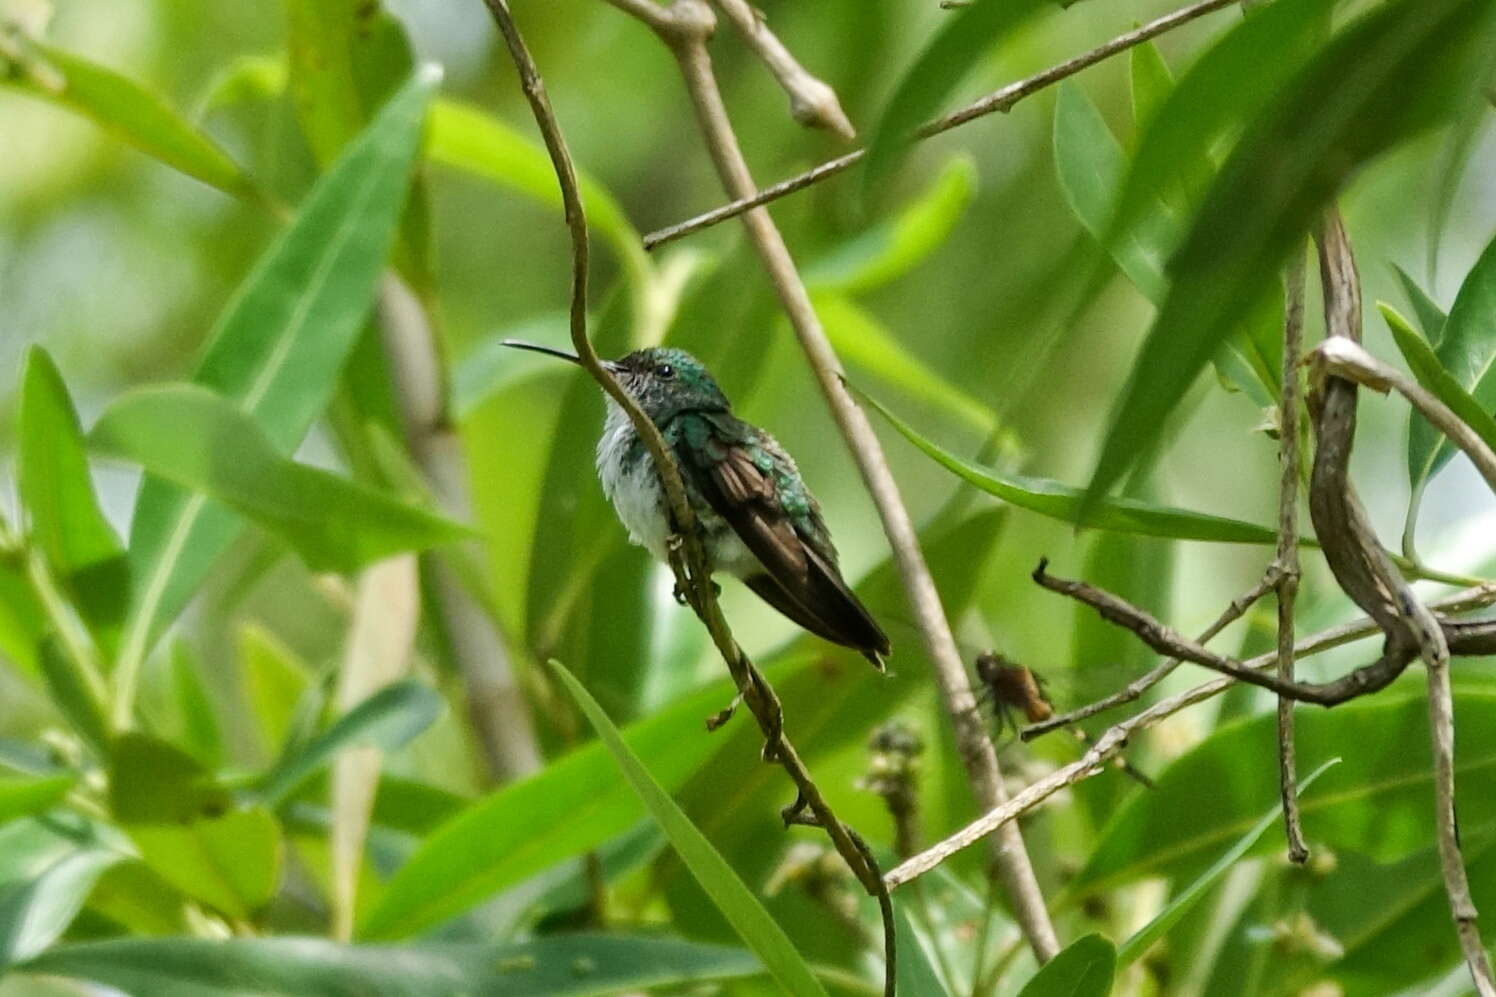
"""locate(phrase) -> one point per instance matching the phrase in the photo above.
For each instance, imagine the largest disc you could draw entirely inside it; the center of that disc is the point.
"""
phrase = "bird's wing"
(734, 472)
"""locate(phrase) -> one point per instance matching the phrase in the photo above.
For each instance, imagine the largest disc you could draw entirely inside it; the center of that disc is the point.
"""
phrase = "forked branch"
(685, 26)
(688, 559)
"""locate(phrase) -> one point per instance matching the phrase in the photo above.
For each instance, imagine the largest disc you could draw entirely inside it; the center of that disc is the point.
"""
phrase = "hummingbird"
(757, 520)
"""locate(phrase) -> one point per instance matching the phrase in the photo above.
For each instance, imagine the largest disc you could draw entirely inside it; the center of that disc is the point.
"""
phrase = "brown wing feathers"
(798, 580)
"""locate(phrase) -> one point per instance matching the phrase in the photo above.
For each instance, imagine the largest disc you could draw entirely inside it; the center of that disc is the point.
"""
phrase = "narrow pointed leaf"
(916, 974)
(1391, 75)
(741, 908)
(574, 804)
(1084, 968)
(1150, 82)
(128, 111)
(389, 719)
(1091, 164)
(279, 346)
(57, 493)
(1063, 502)
(1466, 351)
(1426, 310)
(867, 345)
(569, 965)
(1220, 92)
(1430, 372)
(1192, 894)
(35, 911)
(198, 440)
(25, 796)
(961, 41)
(892, 248)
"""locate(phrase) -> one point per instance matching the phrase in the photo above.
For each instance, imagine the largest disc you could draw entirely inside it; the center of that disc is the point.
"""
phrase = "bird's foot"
(685, 600)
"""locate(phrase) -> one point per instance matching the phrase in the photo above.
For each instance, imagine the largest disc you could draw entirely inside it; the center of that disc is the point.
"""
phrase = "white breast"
(635, 493)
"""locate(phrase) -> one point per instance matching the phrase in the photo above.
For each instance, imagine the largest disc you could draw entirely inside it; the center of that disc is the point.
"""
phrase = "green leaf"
(63, 515)
(278, 348)
(1431, 317)
(22, 619)
(1393, 921)
(1389, 76)
(747, 916)
(1185, 899)
(961, 41)
(74, 695)
(325, 39)
(1150, 83)
(1223, 89)
(462, 137)
(572, 965)
(865, 343)
(892, 248)
(275, 680)
(1430, 372)
(1091, 164)
(35, 911)
(129, 112)
(1084, 968)
(1059, 501)
(344, 59)
(196, 439)
(1467, 353)
(1376, 802)
(23, 797)
(201, 734)
(916, 976)
(151, 781)
(389, 719)
(232, 862)
(574, 804)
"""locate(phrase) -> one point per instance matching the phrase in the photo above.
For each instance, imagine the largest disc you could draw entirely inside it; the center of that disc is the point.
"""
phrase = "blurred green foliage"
(239, 702)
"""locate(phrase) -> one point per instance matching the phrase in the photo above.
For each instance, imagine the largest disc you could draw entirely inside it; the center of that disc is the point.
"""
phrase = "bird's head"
(668, 381)
(664, 380)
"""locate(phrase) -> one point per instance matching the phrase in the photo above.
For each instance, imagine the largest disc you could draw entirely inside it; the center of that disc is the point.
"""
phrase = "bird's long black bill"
(550, 351)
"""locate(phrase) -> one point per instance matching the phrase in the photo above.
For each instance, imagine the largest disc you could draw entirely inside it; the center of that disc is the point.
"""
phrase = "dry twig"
(1134, 689)
(812, 102)
(685, 27)
(1113, 740)
(688, 559)
(1286, 564)
(1002, 99)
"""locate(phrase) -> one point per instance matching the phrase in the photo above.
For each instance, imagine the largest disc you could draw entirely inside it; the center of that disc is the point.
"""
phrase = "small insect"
(1012, 687)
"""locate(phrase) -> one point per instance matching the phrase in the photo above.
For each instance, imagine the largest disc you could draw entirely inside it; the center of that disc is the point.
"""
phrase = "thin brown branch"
(1114, 609)
(1451, 862)
(686, 36)
(688, 559)
(1135, 689)
(1364, 571)
(1287, 561)
(1002, 99)
(813, 102)
(1112, 741)
(1351, 361)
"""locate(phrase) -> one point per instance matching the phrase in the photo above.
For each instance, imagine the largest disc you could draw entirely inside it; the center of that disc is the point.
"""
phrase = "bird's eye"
(665, 370)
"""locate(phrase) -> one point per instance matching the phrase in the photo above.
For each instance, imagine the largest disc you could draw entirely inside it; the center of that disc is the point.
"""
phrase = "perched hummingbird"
(758, 521)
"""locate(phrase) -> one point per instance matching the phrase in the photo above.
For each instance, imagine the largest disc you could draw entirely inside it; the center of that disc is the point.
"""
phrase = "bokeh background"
(118, 266)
